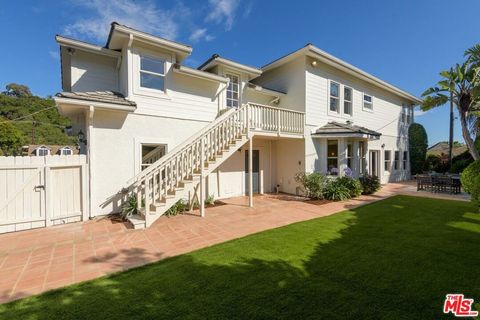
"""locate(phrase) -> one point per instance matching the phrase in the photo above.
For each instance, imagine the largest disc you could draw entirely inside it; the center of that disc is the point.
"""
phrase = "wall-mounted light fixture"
(314, 63)
(383, 146)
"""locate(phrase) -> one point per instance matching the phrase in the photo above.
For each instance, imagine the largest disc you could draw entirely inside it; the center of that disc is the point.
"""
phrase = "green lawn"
(394, 259)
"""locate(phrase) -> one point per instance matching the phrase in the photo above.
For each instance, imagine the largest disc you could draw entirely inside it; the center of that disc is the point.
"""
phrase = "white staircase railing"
(267, 118)
(160, 180)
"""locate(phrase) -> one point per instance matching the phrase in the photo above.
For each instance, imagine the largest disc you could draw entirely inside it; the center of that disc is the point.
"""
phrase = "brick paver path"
(38, 260)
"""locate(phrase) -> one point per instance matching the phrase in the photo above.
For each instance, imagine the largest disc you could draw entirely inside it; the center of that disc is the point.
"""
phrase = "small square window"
(367, 102)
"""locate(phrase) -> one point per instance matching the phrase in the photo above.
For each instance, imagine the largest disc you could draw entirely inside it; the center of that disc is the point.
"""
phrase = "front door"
(374, 163)
(256, 171)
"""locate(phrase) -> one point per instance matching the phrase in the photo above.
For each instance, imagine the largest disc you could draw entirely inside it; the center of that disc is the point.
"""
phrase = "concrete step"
(137, 221)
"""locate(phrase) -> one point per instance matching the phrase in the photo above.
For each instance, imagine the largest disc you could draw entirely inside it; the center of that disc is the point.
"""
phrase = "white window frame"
(387, 163)
(228, 75)
(156, 74)
(339, 98)
(42, 148)
(396, 160)
(363, 102)
(135, 73)
(61, 150)
(333, 157)
(362, 156)
(349, 155)
(350, 101)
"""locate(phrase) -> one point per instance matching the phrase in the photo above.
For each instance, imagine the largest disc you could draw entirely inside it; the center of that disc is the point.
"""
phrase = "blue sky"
(404, 42)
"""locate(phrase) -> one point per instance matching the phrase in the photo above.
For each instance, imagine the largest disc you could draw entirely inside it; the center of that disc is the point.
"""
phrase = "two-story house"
(162, 131)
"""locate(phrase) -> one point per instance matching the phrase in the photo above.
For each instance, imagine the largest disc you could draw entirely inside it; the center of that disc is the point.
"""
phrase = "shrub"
(418, 144)
(178, 207)
(336, 190)
(469, 175)
(210, 200)
(353, 185)
(129, 208)
(370, 184)
(313, 183)
(475, 191)
(435, 163)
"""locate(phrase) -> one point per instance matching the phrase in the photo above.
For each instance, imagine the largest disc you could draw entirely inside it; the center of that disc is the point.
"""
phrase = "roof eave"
(84, 46)
(266, 91)
(182, 50)
(214, 61)
(61, 101)
(199, 74)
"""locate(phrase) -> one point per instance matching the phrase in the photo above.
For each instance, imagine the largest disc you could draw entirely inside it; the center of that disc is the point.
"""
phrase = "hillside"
(28, 119)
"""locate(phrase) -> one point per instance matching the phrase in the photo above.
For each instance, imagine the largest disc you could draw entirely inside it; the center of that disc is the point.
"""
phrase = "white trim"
(148, 92)
(311, 50)
(86, 104)
(76, 44)
(137, 145)
(181, 49)
(64, 149)
(363, 102)
(198, 74)
(329, 111)
(232, 64)
(350, 115)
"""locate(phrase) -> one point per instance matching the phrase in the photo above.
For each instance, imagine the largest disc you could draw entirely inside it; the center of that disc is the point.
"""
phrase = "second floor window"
(367, 102)
(152, 73)
(334, 96)
(232, 91)
(347, 100)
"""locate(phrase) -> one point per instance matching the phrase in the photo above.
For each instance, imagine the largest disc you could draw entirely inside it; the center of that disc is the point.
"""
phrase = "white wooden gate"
(37, 192)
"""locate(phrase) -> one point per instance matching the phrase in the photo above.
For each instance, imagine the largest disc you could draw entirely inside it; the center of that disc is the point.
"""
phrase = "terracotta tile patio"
(38, 260)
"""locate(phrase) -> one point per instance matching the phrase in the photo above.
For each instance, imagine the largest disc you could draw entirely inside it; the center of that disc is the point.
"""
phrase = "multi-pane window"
(367, 102)
(66, 151)
(396, 162)
(332, 157)
(405, 159)
(347, 100)
(409, 115)
(42, 151)
(349, 155)
(388, 160)
(362, 156)
(152, 73)
(232, 91)
(334, 96)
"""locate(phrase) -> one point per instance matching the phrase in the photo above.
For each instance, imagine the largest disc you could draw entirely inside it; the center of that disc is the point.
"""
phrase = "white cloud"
(200, 34)
(142, 15)
(418, 112)
(54, 54)
(222, 11)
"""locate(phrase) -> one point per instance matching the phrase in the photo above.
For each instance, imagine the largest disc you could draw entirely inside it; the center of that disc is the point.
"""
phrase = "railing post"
(278, 121)
(202, 180)
(250, 172)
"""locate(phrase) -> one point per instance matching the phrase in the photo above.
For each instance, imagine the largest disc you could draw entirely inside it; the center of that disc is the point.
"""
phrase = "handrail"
(187, 143)
(275, 108)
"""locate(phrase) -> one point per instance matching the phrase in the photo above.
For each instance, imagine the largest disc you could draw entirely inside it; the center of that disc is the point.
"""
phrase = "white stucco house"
(163, 131)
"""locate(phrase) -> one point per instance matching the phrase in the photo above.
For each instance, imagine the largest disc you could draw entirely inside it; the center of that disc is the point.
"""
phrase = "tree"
(460, 85)
(11, 138)
(418, 144)
(17, 90)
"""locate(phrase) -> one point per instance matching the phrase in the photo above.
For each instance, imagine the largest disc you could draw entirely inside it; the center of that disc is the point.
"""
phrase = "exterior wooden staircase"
(181, 173)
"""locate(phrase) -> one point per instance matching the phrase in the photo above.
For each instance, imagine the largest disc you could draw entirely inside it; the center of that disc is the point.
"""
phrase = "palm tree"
(461, 86)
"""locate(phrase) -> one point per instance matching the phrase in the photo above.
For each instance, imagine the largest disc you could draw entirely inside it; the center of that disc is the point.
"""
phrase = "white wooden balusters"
(177, 174)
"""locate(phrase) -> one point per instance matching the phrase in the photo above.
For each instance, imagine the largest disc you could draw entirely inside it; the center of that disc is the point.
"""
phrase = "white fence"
(37, 192)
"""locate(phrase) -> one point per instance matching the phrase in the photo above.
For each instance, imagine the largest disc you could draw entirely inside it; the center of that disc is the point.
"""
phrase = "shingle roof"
(98, 96)
(344, 128)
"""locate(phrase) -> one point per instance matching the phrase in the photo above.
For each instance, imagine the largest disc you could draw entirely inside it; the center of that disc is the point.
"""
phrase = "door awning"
(345, 130)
